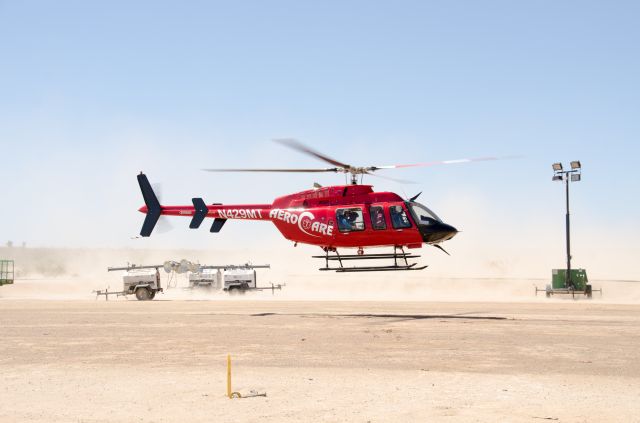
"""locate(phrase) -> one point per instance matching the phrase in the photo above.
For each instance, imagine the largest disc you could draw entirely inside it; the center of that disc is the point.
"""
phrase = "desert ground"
(82, 360)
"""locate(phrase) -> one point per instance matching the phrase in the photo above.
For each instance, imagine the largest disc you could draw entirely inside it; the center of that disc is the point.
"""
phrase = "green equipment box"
(578, 277)
(6, 272)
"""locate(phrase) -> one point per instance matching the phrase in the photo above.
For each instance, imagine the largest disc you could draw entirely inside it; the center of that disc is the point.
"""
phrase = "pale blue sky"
(93, 92)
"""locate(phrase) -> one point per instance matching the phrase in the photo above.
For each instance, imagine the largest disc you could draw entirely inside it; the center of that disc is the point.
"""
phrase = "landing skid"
(395, 256)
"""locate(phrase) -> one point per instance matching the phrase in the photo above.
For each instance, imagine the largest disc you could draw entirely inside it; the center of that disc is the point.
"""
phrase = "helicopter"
(334, 217)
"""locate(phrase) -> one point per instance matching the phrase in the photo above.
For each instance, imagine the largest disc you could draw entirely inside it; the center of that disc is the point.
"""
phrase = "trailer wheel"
(143, 294)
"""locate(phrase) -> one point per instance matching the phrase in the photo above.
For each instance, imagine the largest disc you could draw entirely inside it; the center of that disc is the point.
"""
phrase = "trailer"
(6, 272)
(144, 281)
(141, 281)
(578, 284)
(234, 279)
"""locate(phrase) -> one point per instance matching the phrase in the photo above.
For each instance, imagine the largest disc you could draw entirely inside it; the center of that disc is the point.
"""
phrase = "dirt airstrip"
(164, 361)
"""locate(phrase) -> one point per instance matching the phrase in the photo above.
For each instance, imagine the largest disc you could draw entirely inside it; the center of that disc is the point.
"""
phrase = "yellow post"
(229, 375)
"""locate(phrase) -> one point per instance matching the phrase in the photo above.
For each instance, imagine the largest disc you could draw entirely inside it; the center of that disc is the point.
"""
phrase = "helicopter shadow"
(394, 317)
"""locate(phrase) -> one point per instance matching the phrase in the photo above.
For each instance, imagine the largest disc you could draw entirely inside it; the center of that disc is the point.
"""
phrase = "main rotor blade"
(400, 181)
(297, 145)
(442, 162)
(333, 169)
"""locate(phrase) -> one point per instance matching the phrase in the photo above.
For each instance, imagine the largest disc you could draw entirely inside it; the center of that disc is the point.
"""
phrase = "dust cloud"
(66, 273)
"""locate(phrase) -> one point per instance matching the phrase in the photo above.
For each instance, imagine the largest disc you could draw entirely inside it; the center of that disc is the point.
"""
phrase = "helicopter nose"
(438, 232)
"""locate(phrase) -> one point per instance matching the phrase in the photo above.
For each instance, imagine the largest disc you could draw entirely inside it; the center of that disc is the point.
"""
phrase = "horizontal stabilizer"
(217, 224)
(200, 213)
(154, 210)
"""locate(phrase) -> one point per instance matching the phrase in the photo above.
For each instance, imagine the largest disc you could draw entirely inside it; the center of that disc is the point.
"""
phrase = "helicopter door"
(399, 218)
(350, 220)
(390, 225)
(378, 221)
(350, 227)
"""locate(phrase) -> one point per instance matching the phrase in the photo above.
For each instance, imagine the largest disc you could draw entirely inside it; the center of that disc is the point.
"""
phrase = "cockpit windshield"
(422, 214)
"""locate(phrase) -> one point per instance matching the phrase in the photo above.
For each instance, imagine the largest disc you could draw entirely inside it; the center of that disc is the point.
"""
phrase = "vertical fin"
(154, 210)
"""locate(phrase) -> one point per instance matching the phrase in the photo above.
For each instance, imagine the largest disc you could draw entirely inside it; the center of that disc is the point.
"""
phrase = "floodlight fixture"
(575, 177)
(576, 164)
(557, 178)
(557, 167)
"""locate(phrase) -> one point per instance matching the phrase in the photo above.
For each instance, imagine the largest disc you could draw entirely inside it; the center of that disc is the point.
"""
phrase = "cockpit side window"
(422, 215)
(350, 220)
(399, 219)
(378, 222)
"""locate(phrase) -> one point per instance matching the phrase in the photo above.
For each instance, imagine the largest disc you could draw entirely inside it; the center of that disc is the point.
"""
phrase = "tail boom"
(218, 211)
(197, 212)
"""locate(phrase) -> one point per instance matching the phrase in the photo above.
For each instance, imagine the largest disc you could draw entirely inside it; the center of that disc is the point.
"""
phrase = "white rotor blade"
(400, 181)
(443, 162)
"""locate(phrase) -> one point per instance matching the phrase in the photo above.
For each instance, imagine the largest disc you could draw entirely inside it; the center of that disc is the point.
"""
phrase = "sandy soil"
(164, 361)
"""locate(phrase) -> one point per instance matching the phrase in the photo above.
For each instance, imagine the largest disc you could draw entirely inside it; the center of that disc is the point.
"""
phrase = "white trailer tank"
(206, 278)
(136, 278)
(239, 280)
(144, 283)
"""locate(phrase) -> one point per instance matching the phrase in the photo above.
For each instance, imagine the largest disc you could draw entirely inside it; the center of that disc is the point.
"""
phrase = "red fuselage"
(351, 216)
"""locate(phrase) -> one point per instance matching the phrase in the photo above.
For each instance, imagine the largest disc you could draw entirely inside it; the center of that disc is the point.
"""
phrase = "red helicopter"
(331, 217)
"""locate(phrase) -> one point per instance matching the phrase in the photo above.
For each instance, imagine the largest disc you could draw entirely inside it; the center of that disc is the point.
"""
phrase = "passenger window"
(399, 218)
(350, 220)
(378, 221)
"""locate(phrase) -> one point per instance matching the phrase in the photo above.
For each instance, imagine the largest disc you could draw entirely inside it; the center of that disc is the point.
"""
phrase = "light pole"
(573, 175)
